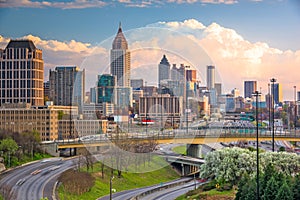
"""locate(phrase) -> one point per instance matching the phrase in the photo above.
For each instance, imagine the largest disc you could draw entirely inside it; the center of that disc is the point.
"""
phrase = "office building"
(22, 117)
(67, 84)
(120, 60)
(157, 107)
(106, 88)
(249, 88)
(210, 77)
(22, 73)
(218, 87)
(178, 74)
(163, 69)
(277, 89)
(136, 83)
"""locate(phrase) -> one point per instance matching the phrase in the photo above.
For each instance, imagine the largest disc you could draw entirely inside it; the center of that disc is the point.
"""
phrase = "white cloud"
(189, 42)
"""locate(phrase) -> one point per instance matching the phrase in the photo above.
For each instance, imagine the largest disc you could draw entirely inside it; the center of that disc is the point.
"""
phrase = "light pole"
(295, 109)
(257, 94)
(110, 185)
(273, 80)
(269, 102)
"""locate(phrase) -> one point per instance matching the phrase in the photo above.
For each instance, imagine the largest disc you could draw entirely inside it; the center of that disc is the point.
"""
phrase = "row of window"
(21, 53)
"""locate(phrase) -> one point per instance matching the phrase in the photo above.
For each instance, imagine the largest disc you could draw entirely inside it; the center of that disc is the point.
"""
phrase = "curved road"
(21, 183)
(128, 194)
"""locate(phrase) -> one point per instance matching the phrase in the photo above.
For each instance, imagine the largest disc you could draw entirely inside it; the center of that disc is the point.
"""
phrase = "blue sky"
(276, 22)
(245, 39)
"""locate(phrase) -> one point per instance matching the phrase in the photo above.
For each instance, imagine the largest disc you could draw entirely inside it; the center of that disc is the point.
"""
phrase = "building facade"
(210, 77)
(159, 107)
(277, 93)
(22, 73)
(249, 88)
(120, 59)
(106, 88)
(67, 85)
(25, 118)
(164, 69)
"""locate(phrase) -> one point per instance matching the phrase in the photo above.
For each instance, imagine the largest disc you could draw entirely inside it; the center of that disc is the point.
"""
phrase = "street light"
(295, 109)
(257, 94)
(269, 102)
(273, 80)
(110, 185)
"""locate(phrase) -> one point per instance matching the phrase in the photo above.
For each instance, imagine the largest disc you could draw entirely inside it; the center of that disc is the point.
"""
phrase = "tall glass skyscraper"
(249, 88)
(278, 96)
(105, 88)
(120, 59)
(210, 77)
(67, 85)
(163, 70)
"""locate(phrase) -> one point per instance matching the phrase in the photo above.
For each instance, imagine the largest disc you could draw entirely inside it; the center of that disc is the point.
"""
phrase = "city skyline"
(238, 54)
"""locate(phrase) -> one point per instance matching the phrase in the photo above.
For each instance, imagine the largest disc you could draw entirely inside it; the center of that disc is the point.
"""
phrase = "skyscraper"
(278, 96)
(163, 69)
(120, 59)
(249, 88)
(22, 73)
(106, 88)
(67, 85)
(210, 77)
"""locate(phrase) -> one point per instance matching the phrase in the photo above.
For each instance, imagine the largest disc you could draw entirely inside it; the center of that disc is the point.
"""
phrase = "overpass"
(185, 136)
(194, 137)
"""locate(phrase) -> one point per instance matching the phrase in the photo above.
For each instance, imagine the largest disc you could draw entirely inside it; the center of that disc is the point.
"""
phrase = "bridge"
(185, 136)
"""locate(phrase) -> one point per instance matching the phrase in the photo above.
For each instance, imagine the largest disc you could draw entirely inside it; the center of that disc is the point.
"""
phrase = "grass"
(180, 149)
(126, 182)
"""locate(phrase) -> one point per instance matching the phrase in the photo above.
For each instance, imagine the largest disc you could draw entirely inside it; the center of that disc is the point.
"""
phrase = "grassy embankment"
(180, 149)
(126, 182)
(213, 194)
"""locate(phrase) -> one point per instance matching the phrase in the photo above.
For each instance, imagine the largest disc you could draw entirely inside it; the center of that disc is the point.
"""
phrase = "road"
(128, 194)
(23, 184)
(171, 193)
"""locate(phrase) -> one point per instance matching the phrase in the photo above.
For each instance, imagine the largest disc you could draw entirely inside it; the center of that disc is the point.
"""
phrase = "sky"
(244, 39)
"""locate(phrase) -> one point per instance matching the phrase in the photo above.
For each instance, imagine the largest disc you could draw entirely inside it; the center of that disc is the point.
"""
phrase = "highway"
(33, 181)
(128, 194)
(171, 193)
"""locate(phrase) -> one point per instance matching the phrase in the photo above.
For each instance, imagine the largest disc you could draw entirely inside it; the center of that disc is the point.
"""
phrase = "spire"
(120, 40)
(164, 61)
(120, 28)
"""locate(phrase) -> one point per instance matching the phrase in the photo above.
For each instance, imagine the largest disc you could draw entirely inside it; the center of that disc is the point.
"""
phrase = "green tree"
(284, 192)
(250, 192)
(269, 172)
(8, 145)
(296, 187)
(271, 189)
(242, 187)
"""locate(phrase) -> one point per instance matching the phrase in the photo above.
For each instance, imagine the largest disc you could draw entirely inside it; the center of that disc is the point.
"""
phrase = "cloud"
(189, 42)
(82, 4)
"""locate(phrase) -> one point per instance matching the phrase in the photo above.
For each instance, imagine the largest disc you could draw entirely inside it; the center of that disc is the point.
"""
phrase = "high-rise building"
(22, 73)
(210, 77)
(249, 88)
(136, 83)
(120, 59)
(67, 84)
(191, 74)
(163, 69)
(278, 96)
(218, 87)
(46, 90)
(106, 88)
(178, 74)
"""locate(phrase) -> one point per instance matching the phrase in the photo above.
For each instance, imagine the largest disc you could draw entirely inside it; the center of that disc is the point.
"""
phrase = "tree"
(284, 192)
(271, 189)
(8, 145)
(242, 187)
(296, 187)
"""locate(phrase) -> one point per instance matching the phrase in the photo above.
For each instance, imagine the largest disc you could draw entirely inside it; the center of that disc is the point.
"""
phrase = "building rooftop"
(21, 44)
(120, 40)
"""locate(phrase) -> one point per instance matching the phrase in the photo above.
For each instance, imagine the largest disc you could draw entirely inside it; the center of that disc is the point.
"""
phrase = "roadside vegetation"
(232, 172)
(19, 148)
(180, 149)
(101, 175)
